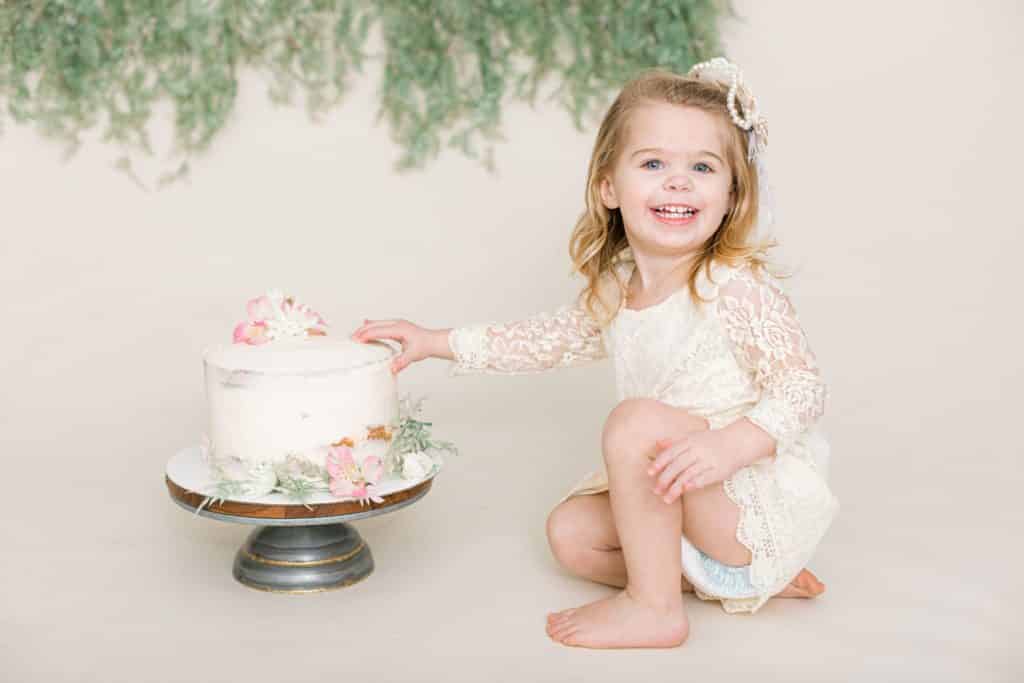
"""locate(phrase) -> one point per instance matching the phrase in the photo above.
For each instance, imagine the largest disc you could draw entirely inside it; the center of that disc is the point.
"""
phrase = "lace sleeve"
(542, 342)
(768, 340)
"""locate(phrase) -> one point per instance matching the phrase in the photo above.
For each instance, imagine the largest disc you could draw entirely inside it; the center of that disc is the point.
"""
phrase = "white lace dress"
(743, 355)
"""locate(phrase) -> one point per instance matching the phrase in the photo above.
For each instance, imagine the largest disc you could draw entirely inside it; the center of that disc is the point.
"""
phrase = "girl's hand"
(417, 342)
(694, 461)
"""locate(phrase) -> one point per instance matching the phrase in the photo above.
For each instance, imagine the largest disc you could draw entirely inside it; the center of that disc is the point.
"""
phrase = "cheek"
(719, 192)
(629, 197)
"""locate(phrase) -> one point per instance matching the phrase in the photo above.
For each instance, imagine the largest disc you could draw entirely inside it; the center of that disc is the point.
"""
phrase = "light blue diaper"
(713, 578)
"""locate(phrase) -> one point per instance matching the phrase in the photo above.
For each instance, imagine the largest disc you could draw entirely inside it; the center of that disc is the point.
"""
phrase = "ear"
(608, 194)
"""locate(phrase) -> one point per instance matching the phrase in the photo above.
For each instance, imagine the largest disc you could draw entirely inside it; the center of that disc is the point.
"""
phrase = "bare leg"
(609, 567)
(649, 611)
(583, 538)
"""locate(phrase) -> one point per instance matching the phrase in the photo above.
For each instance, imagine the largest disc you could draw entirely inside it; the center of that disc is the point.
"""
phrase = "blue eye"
(701, 163)
(647, 164)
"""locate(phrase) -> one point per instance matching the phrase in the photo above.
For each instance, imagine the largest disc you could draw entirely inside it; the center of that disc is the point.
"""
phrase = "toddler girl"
(713, 473)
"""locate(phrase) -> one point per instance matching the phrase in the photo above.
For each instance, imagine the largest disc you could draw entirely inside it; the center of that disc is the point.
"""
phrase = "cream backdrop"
(895, 152)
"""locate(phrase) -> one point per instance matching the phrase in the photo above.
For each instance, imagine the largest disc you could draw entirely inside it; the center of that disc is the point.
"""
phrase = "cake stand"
(298, 548)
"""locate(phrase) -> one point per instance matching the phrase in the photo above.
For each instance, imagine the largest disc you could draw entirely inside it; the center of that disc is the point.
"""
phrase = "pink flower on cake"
(273, 316)
(260, 308)
(251, 333)
(347, 479)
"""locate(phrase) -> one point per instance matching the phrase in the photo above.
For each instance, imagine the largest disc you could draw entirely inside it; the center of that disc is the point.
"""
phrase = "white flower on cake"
(276, 316)
(299, 466)
(416, 465)
(263, 480)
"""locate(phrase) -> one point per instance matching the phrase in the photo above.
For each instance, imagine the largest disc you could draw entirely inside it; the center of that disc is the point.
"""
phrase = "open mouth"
(675, 212)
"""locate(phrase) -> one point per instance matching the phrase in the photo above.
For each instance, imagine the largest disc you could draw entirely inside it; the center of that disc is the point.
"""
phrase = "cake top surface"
(310, 354)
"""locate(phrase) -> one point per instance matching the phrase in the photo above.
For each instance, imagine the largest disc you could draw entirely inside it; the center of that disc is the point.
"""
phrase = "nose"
(678, 182)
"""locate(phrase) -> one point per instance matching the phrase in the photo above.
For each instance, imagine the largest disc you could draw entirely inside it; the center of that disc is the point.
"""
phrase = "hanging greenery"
(67, 66)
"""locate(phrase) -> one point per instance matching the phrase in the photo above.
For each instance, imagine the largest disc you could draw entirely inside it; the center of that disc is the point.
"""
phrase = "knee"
(565, 537)
(627, 428)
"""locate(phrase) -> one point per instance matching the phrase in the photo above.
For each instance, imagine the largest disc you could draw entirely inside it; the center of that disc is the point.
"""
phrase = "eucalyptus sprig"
(414, 435)
(222, 490)
(411, 435)
(299, 489)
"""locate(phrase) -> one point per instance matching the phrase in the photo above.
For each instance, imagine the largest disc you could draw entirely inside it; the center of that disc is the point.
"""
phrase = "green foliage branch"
(67, 66)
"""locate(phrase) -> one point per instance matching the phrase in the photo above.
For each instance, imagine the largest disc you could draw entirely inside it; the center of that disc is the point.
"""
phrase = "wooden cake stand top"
(187, 479)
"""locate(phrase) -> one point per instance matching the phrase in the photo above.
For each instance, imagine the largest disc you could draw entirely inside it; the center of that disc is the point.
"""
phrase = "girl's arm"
(564, 338)
(768, 340)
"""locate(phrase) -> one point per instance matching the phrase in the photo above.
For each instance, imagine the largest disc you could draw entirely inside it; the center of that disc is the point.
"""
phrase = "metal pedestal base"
(303, 559)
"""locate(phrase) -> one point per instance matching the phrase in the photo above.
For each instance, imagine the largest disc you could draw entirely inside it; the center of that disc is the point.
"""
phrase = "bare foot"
(619, 621)
(805, 585)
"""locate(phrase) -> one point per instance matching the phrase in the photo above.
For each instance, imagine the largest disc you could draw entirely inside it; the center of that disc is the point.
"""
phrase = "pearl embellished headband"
(755, 124)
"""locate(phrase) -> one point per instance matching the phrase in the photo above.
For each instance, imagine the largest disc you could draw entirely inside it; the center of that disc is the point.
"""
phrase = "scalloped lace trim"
(780, 527)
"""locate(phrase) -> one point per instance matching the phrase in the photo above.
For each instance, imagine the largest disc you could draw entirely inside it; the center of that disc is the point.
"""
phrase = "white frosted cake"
(296, 411)
(297, 396)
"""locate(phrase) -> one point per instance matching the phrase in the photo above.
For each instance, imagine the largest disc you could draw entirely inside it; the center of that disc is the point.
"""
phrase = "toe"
(571, 639)
(554, 625)
(562, 630)
(566, 636)
(809, 584)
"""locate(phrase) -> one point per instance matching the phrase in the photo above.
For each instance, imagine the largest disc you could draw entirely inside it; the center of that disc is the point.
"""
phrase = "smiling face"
(670, 179)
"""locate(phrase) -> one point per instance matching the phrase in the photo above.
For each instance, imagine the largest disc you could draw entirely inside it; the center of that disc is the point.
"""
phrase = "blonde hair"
(599, 238)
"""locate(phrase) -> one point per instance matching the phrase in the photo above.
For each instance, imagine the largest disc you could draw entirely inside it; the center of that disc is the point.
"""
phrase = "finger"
(674, 491)
(691, 481)
(383, 333)
(684, 482)
(659, 447)
(377, 323)
(672, 495)
(680, 486)
(682, 457)
(374, 325)
(399, 364)
(673, 470)
(668, 454)
(695, 468)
